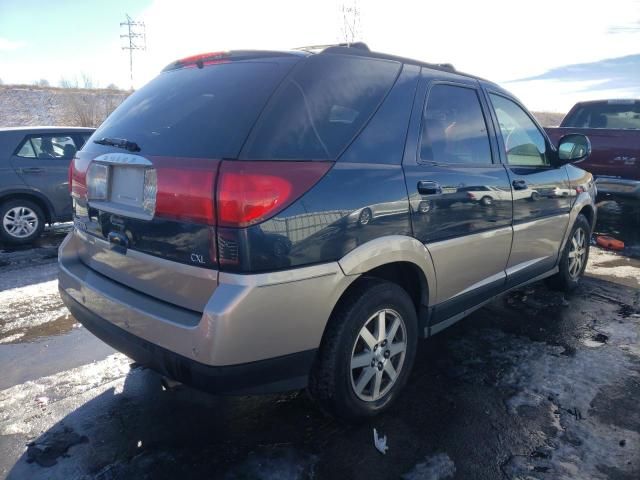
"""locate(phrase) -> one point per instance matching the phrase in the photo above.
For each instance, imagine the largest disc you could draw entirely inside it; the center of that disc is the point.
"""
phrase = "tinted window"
(453, 127)
(320, 107)
(523, 141)
(48, 146)
(27, 150)
(195, 112)
(614, 114)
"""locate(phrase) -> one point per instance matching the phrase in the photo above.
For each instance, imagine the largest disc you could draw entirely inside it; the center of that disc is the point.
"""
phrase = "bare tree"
(87, 81)
(1, 82)
(112, 86)
(68, 83)
(43, 82)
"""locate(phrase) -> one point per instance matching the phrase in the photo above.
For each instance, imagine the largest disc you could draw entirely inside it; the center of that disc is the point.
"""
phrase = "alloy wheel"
(577, 253)
(378, 355)
(20, 222)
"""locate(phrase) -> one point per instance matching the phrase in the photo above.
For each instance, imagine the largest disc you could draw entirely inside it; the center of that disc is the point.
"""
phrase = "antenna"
(137, 40)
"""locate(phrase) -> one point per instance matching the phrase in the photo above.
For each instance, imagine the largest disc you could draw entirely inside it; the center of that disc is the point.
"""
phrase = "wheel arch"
(399, 259)
(584, 205)
(33, 196)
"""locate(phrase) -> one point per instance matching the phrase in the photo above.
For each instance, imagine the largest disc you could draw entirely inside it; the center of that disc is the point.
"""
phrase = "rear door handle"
(32, 170)
(427, 187)
(519, 184)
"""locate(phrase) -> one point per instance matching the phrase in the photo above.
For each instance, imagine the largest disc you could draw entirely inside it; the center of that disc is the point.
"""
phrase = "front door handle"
(519, 184)
(427, 187)
(32, 170)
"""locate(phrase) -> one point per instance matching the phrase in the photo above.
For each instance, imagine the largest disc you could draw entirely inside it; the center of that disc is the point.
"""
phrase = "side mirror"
(573, 148)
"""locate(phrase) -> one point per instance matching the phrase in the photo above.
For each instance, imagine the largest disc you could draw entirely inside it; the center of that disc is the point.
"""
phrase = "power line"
(137, 40)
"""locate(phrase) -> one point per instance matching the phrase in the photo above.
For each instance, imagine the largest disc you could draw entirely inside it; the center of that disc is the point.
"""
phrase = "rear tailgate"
(145, 214)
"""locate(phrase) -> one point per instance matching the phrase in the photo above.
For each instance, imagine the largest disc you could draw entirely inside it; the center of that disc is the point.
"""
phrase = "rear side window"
(320, 107)
(453, 127)
(48, 147)
(196, 112)
(613, 114)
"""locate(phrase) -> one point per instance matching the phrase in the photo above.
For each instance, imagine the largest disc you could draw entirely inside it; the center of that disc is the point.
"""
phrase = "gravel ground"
(534, 385)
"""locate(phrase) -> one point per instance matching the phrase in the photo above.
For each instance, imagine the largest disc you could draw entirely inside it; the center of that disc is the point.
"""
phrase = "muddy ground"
(534, 385)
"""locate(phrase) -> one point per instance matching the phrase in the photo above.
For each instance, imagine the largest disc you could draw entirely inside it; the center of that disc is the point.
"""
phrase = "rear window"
(196, 112)
(615, 114)
(320, 107)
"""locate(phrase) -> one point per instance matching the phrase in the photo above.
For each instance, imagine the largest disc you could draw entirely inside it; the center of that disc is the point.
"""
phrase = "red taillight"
(250, 192)
(185, 189)
(78, 178)
(70, 174)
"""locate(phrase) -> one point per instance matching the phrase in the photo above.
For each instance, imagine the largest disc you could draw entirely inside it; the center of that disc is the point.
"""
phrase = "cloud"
(7, 45)
(607, 74)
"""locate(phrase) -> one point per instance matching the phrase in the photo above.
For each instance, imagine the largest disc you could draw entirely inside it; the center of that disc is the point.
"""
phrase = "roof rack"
(320, 48)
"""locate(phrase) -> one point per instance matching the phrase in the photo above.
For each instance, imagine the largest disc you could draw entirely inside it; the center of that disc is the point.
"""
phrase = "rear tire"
(21, 221)
(353, 376)
(574, 257)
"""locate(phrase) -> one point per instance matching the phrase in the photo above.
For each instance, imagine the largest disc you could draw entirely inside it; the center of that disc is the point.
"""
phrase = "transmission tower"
(136, 39)
(350, 22)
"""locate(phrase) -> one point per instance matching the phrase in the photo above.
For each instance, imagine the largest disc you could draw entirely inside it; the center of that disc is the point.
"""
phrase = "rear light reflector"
(252, 191)
(97, 181)
(150, 191)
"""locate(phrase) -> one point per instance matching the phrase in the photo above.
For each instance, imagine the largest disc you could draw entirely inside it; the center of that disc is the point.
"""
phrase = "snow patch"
(435, 467)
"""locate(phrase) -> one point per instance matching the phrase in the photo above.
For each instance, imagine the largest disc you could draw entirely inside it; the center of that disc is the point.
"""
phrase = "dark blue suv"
(262, 221)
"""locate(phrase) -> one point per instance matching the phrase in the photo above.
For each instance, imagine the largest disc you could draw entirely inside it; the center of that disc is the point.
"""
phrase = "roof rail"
(320, 48)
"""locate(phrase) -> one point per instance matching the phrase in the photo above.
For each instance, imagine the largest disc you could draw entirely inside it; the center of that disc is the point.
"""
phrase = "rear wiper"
(120, 143)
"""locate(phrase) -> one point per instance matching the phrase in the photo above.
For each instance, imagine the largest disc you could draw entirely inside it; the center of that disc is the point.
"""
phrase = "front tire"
(367, 351)
(21, 221)
(574, 257)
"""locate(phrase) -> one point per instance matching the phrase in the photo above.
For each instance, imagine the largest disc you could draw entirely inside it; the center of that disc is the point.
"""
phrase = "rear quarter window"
(320, 107)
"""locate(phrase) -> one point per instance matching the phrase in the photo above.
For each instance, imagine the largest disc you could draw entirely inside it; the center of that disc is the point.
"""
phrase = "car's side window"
(27, 150)
(523, 141)
(453, 127)
(48, 146)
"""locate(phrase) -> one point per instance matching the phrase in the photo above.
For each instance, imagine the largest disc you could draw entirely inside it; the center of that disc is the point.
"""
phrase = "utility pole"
(350, 22)
(136, 40)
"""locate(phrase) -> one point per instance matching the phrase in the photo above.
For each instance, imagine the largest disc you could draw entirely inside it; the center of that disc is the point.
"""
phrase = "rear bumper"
(289, 372)
(618, 188)
(251, 323)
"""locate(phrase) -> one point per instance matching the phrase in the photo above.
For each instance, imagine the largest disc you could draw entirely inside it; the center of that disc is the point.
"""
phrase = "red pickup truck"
(613, 127)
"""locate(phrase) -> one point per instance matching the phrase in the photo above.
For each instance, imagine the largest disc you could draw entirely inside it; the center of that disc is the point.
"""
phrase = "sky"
(550, 53)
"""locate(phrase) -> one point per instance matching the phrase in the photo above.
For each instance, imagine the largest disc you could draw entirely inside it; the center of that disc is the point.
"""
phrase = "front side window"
(48, 147)
(453, 127)
(523, 141)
